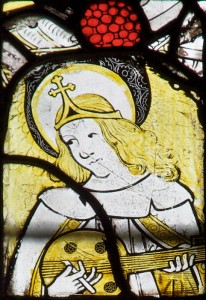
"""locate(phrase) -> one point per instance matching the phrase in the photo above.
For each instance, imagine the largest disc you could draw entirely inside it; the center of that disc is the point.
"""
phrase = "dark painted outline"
(200, 88)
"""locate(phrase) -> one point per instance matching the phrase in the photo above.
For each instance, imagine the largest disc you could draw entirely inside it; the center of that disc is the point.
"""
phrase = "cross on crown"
(70, 111)
(61, 89)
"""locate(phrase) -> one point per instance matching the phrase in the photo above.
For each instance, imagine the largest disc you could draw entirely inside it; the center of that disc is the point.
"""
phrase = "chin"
(101, 175)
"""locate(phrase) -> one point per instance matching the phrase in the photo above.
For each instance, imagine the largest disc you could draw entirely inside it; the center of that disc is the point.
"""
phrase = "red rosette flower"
(111, 24)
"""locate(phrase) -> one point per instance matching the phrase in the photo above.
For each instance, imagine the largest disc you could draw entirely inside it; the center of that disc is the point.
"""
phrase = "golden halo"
(88, 78)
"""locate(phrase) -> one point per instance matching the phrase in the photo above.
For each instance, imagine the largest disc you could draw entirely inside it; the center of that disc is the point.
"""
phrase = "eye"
(70, 142)
(92, 134)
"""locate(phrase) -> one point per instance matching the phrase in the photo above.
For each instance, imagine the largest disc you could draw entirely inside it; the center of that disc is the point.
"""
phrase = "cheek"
(98, 147)
(105, 151)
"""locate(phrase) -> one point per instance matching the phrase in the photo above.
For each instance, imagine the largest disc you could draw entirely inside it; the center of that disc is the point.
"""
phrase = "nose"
(85, 155)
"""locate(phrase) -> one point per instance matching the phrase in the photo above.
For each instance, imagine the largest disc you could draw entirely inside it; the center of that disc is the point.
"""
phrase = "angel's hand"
(72, 281)
(181, 263)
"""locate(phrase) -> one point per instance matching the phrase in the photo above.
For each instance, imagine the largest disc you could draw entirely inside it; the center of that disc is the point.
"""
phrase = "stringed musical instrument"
(89, 247)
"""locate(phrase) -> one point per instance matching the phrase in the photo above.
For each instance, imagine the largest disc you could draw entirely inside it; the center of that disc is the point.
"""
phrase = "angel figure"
(102, 148)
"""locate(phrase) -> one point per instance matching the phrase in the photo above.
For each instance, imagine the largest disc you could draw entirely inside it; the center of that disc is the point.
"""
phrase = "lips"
(94, 161)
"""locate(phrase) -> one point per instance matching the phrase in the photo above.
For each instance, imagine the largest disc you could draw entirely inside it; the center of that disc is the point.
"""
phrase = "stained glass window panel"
(103, 114)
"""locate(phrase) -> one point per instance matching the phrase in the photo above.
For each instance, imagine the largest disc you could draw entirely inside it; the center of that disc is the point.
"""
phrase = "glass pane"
(102, 149)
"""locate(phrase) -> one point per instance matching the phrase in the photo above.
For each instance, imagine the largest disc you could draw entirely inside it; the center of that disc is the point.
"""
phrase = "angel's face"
(88, 147)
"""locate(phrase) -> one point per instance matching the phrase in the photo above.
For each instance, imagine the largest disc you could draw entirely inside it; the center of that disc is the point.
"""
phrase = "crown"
(70, 111)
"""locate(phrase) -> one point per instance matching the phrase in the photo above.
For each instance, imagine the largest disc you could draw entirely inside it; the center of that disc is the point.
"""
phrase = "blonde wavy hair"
(135, 147)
